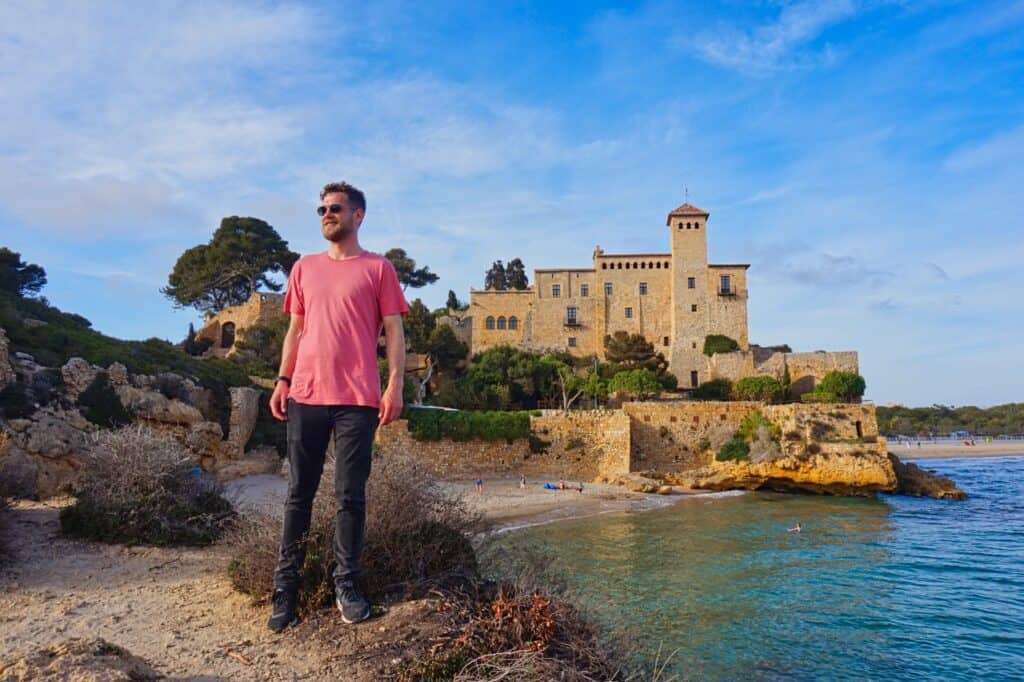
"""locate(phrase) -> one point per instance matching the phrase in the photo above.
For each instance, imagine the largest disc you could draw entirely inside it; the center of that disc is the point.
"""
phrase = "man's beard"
(336, 232)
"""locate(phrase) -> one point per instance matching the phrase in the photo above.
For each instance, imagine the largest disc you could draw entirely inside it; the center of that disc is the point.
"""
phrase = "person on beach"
(522, 481)
(479, 486)
(338, 301)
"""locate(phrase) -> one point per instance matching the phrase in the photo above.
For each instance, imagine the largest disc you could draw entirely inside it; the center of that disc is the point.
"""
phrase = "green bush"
(716, 389)
(735, 450)
(763, 388)
(538, 445)
(718, 343)
(750, 424)
(427, 425)
(846, 386)
(100, 404)
(819, 397)
(637, 383)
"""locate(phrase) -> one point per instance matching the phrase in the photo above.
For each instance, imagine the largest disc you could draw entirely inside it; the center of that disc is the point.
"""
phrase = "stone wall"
(259, 309)
(581, 446)
(805, 369)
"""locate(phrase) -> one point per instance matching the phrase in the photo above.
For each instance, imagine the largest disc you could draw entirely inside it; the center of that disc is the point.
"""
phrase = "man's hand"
(279, 401)
(390, 406)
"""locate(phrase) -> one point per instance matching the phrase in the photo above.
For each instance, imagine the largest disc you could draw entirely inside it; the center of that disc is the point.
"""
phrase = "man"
(338, 301)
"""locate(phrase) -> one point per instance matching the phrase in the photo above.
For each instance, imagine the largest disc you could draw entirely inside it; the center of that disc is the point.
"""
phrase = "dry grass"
(138, 486)
(417, 539)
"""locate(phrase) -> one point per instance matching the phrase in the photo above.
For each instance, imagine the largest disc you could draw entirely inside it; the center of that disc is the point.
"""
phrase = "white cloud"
(998, 150)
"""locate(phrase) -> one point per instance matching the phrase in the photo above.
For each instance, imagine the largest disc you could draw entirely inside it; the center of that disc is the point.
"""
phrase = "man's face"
(339, 226)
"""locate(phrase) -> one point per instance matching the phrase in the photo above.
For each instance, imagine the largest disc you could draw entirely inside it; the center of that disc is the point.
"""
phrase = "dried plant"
(140, 486)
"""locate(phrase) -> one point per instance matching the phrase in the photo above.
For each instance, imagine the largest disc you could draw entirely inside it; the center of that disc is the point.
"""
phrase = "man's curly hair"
(356, 199)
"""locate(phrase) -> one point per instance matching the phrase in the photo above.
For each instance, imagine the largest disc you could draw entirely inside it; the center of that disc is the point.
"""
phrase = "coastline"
(956, 450)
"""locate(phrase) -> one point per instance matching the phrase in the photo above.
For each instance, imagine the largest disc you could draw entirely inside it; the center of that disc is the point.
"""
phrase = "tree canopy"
(501, 277)
(18, 277)
(719, 343)
(495, 278)
(419, 323)
(231, 267)
(408, 274)
(632, 351)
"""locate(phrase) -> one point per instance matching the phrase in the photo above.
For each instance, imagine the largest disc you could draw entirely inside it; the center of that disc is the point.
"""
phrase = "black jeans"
(309, 430)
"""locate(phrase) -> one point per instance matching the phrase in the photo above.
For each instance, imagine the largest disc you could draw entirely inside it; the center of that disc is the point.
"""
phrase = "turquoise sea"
(889, 588)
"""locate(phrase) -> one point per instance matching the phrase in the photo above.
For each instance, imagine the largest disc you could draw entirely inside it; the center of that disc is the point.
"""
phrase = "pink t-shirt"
(344, 303)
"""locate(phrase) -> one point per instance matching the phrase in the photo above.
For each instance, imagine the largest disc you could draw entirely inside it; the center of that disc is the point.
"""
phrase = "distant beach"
(951, 449)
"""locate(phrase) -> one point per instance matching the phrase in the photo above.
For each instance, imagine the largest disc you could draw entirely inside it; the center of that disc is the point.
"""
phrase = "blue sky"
(864, 157)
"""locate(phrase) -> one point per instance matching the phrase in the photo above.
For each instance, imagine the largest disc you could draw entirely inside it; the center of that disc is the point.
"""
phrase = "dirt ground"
(175, 609)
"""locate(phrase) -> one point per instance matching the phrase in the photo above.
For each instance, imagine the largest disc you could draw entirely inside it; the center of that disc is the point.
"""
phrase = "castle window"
(659, 266)
(618, 266)
(643, 288)
(227, 335)
(687, 226)
(584, 290)
(680, 226)
(572, 342)
(696, 226)
(691, 282)
(664, 341)
(643, 265)
(513, 323)
(693, 378)
(634, 265)
(570, 316)
(650, 266)
(489, 323)
(501, 322)
(556, 290)
(607, 288)
(694, 344)
(693, 308)
(627, 265)
(629, 313)
(604, 266)
(666, 265)
(725, 284)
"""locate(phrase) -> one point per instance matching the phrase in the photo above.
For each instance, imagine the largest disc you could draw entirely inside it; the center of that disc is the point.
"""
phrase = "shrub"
(427, 425)
(754, 421)
(735, 450)
(718, 343)
(138, 486)
(844, 385)
(704, 444)
(716, 389)
(763, 388)
(638, 383)
(538, 445)
(819, 397)
(100, 404)
(416, 539)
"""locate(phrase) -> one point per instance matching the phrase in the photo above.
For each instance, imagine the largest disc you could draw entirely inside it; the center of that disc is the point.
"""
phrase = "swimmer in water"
(795, 529)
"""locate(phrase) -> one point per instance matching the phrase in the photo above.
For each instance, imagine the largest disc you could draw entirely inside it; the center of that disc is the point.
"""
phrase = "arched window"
(687, 226)
(513, 323)
(650, 266)
(696, 226)
(627, 266)
(489, 323)
(680, 225)
(643, 266)
(227, 335)
(666, 265)
(659, 265)
(501, 322)
(604, 266)
(618, 266)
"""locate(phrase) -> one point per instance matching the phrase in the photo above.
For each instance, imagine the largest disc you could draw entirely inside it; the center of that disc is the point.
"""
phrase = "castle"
(674, 300)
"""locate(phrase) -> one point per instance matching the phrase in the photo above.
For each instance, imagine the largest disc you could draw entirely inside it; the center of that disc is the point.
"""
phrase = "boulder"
(19, 473)
(78, 375)
(638, 483)
(913, 480)
(245, 409)
(155, 406)
(200, 398)
(81, 660)
(832, 472)
(54, 434)
(117, 374)
(261, 460)
(204, 438)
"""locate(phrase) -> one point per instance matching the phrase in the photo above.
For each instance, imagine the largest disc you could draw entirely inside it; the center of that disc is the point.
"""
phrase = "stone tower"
(691, 316)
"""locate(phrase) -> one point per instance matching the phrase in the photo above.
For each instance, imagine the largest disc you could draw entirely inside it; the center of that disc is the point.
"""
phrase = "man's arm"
(394, 338)
(289, 351)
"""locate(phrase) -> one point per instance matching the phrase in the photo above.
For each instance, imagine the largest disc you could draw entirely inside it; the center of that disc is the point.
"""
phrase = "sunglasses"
(333, 208)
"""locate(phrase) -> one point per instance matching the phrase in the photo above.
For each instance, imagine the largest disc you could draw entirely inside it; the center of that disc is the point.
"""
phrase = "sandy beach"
(951, 450)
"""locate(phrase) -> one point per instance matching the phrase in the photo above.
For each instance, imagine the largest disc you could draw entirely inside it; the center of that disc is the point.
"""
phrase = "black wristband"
(287, 380)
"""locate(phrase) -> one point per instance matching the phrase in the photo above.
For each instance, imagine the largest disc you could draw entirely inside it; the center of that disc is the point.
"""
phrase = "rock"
(117, 374)
(78, 374)
(146, 404)
(261, 460)
(638, 483)
(19, 473)
(7, 375)
(831, 472)
(24, 356)
(204, 438)
(913, 480)
(54, 434)
(32, 322)
(201, 399)
(245, 409)
(80, 660)
(665, 490)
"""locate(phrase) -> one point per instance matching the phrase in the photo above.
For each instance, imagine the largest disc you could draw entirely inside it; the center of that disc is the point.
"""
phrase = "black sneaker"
(283, 614)
(351, 602)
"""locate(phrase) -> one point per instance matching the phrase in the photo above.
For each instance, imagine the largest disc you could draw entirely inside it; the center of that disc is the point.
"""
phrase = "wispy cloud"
(1006, 147)
(784, 43)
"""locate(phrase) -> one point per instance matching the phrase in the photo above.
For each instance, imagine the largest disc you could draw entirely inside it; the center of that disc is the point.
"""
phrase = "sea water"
(888, 588)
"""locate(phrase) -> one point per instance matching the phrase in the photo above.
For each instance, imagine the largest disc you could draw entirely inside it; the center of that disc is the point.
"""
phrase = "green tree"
(445, 349)
(262, 343)
(408, 274)
(231, 267)
(637, 383)
(763, 388)
(633, 351)
(515, 275)
(716, 389)
(495, 278)
(419, 323)
(843, 385)
(454, 305)
(719, 343)
(18, 277)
